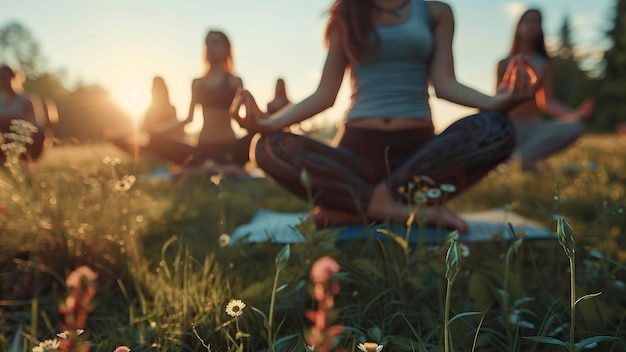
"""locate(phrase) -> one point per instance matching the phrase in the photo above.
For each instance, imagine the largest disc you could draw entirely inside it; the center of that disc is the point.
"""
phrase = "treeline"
(86, 112)
(581, 74)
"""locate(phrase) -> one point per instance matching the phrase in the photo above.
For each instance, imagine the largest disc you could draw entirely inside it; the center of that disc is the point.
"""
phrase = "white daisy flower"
(121, 186)
(130, 179)
(235, 307)
(64, 334)
(47, 346)
(223, 240)
(111, 160)
(370, 347)
(433, 193)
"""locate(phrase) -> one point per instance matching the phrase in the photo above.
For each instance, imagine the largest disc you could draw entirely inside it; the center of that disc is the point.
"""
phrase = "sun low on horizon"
(134, 97)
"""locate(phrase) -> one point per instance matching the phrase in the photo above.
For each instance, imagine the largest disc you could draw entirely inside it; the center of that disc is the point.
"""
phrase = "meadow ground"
(165, 276)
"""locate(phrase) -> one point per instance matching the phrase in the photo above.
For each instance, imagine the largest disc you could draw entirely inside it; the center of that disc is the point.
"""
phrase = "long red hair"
(352, 18)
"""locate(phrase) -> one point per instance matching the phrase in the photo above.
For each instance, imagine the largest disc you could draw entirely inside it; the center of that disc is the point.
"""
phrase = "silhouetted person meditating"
(214, 92)
(393, 49)
(161, 113)
(217, 142)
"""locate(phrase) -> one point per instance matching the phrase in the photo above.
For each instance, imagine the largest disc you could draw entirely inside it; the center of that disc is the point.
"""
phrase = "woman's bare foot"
(382, 207)
(441, 215)
(327, 217)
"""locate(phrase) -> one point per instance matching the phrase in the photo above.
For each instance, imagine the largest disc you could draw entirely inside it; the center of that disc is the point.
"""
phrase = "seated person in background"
(537, 137)
(17, 105)
(161, 113)
(217, 143)
(280, 97)
(214, 92)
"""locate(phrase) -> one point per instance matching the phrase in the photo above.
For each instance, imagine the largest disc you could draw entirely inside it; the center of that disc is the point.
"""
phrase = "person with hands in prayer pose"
(537, 138)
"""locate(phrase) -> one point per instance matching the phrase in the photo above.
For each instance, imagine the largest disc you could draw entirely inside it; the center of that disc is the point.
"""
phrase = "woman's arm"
(500, 72)
(326, 93)
(547, 103)
(30, 113)
(238, 83)
(442, 62)
(195, 85)
(180, 124)
(323, 97)
(444, 78)
(34, 111)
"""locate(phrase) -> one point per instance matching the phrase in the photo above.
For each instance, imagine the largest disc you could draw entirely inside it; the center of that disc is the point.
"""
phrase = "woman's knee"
(575, 129)
(487, 126)
(267, 146)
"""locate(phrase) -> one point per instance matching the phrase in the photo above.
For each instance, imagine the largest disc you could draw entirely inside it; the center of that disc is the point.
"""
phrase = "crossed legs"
(348, 187)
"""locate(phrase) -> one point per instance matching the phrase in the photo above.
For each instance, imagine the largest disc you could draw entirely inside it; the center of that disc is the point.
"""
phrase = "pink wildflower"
(74, 278)
(4, 208)
(323, 268)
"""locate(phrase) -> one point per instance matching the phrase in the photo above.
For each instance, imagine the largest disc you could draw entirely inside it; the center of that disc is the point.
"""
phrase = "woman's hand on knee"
(586, 109)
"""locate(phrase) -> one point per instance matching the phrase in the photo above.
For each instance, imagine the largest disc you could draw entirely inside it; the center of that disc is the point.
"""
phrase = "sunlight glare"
(134, 96)
(514, 9)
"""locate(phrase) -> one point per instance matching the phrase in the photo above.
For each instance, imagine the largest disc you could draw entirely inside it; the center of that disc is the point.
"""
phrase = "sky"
(122, 44)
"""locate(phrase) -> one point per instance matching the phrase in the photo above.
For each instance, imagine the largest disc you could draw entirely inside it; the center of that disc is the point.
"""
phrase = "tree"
(569, 80)
(19, 49)
(611, 100)
(84, 113)
(87, 113)
(566, 47)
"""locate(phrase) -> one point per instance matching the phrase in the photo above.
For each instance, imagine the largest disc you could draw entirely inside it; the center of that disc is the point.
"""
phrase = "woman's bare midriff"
(388, 123)
(217, 127)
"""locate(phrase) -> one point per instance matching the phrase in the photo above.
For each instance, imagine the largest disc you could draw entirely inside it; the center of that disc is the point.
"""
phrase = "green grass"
(161, 268)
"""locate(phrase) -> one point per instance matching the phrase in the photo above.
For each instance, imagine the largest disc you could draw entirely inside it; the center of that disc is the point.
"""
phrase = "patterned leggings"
(344, 177)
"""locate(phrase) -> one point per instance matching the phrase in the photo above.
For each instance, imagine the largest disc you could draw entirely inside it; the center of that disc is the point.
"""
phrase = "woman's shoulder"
(234, 81)
(439, 9)
(504, 61)
(196, 82)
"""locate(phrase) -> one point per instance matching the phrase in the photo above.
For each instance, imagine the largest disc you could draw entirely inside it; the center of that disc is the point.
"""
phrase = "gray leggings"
(538, 138)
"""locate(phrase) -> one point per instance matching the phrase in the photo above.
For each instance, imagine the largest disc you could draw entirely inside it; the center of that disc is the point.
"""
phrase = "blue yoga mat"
(490, 225)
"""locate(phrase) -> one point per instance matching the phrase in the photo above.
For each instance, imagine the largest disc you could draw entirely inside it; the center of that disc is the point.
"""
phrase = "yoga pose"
(537, 137)
(393, 50)
(214, 92)
(16, 105)
(161, 113)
